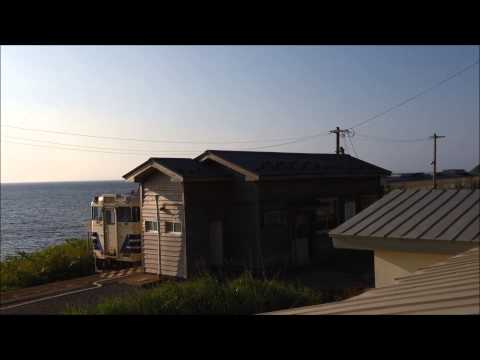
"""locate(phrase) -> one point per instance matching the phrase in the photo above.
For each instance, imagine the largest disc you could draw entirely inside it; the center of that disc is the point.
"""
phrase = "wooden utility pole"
(338, 131)
(434, 162)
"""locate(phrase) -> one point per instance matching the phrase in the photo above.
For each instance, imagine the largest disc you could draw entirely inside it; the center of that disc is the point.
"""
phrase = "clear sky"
(230, 93)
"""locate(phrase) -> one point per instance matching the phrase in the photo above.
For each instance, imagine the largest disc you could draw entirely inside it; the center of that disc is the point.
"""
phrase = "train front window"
(124, 214)
(135, 214)
(97, 213)
(109, 217)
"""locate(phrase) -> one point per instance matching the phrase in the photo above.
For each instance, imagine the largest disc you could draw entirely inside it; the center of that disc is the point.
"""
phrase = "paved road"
(55, 298)
(59, 304)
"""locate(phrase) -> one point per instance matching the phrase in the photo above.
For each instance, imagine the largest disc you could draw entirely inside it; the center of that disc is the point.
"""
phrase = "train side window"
(135, 214)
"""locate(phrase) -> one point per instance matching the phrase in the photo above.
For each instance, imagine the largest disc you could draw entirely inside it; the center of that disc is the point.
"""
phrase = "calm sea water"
(36, 215)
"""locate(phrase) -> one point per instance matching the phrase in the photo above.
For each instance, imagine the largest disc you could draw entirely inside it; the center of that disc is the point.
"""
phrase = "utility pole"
(434, 162)
(338, 132)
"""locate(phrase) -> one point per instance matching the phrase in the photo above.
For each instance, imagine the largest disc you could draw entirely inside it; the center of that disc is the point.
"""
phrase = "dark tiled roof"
(288, 164)
(187, 168)
(450, 287)
(450, 215)
(192, 168)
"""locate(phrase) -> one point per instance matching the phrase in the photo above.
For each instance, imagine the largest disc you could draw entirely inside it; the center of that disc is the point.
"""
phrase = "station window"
(276, 217)
(151, 226)
(350, 209)
(325, 215)
(173, 227)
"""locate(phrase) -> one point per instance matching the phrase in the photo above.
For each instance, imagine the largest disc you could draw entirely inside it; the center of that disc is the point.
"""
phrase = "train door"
(110, 232)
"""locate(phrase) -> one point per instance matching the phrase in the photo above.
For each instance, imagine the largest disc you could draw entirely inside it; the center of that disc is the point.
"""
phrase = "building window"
(276, 217)
(349, 209)
(151, 226)
(173, 227)
(325, 215)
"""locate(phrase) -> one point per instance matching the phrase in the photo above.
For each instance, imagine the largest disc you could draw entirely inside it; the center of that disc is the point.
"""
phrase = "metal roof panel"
(449, 219)
(449, 287)
(414, 214)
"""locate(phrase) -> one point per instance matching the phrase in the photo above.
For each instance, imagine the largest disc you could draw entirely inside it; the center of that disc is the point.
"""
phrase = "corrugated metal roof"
(451, 215)
(450, 287)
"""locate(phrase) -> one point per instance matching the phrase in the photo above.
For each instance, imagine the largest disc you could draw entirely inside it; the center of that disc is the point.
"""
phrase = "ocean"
(36, 215)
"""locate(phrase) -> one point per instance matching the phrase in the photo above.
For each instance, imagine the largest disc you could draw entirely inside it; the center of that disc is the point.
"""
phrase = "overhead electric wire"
(423, 92)
(82, 150)
(353, 147)
(305, 138)
(346, 148)
(386, 139)
(158, 141)
(288, 140)
(104, 148)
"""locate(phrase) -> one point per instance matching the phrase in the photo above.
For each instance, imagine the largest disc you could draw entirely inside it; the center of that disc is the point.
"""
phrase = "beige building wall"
(392, 264)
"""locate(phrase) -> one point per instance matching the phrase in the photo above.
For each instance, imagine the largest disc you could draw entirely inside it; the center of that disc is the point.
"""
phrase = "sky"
(207, 95)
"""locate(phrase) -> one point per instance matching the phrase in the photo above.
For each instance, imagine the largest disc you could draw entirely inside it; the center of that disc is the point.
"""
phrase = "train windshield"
(97, 213)
(128, 214)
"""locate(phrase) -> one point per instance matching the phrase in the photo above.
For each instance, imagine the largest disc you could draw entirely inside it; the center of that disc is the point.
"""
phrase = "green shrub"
(206, 295)
(59, 262)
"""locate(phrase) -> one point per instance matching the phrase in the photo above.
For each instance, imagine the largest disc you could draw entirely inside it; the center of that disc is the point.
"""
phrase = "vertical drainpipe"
(258, 230)
(159, 239)
(140, 202)
(184, 229)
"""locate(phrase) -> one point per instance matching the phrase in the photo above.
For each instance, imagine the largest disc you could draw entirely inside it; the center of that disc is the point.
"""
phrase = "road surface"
(54, 298)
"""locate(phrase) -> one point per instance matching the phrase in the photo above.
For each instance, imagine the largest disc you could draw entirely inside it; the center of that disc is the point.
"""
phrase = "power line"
(351, 143)
(347, 148)
(102, 147)
(77, 149)
(288, 140)
(294, 139)
(434, 162)
(441, 82)
(305, 138)
(386, 139)
(140, 150)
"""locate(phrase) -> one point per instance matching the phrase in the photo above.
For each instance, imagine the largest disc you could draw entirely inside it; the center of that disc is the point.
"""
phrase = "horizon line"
(57, 181)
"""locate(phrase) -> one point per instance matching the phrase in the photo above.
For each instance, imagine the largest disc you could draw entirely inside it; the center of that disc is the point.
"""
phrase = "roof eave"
(403, 245)
(249, 175)
(133, 176)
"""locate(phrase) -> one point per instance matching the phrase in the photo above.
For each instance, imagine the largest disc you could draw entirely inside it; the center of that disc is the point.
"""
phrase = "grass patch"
(207, 295)
(58, 262)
